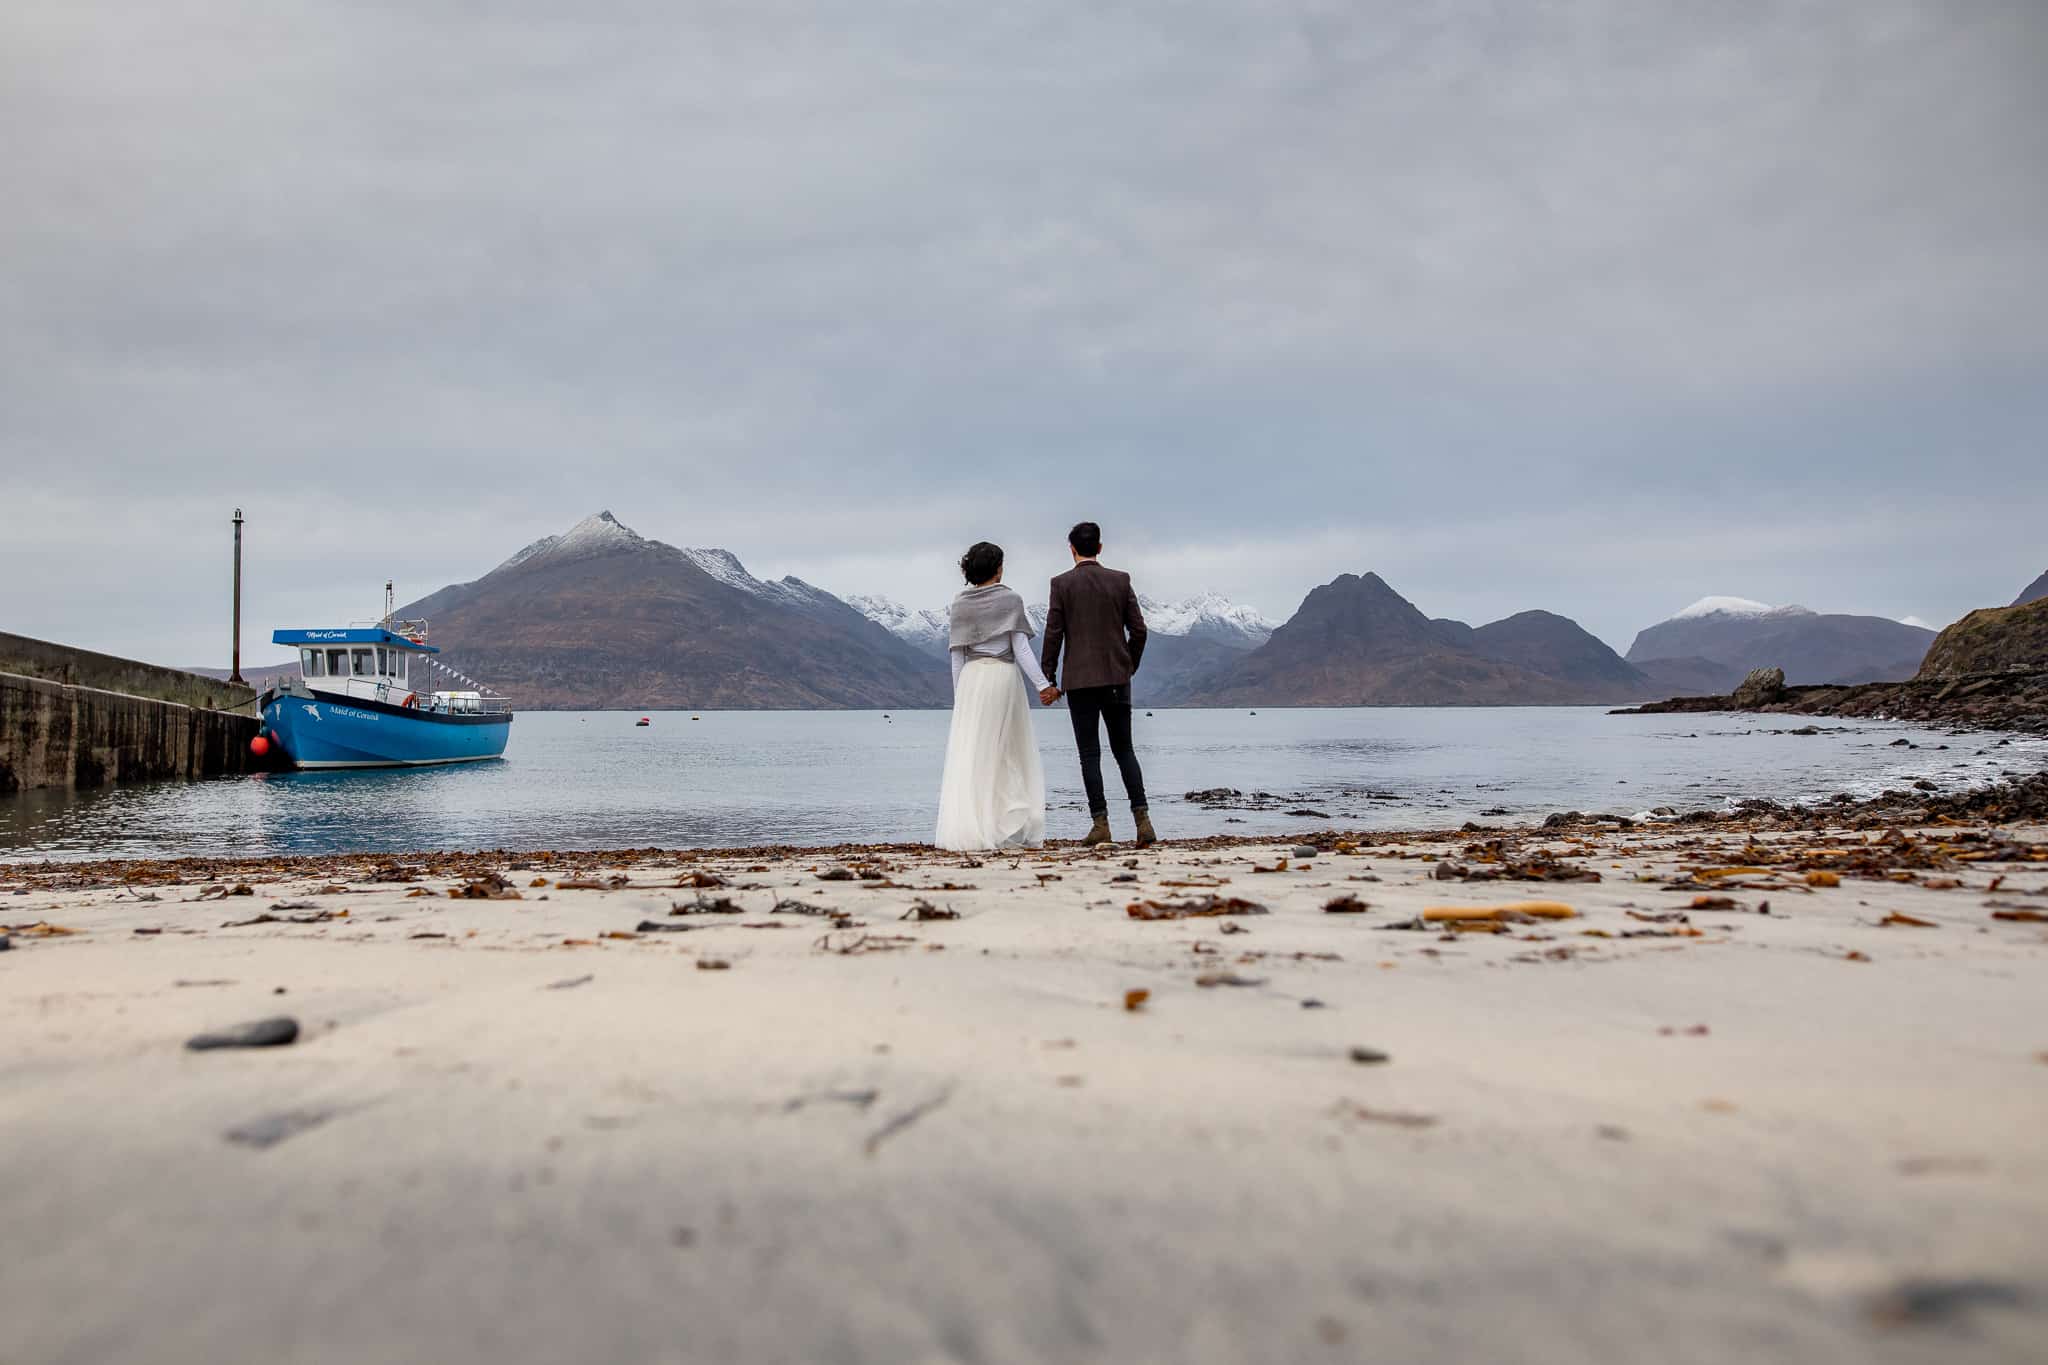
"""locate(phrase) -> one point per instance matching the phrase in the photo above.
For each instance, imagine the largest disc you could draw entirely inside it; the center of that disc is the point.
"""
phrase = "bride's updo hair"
(981, 563)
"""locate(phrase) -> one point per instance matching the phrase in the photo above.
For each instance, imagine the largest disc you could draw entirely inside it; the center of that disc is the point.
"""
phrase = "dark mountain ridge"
(1557, 646)
(1357, 642)
(1812, 647)
(602, 617)
(1173, 661)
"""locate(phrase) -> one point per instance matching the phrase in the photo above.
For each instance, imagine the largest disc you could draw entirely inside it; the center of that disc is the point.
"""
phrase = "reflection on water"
(594, 780)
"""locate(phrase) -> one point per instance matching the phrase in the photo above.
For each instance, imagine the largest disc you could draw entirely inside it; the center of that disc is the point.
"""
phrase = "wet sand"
(528, 1129)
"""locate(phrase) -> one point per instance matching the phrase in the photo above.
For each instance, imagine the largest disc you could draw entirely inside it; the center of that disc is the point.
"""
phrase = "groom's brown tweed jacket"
(1094, 616)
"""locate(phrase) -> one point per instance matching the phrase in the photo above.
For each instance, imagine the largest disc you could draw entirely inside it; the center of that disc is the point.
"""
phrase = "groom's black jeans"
(1092, 708)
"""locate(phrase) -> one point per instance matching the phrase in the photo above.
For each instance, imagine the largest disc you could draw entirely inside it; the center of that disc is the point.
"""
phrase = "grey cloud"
(1594, 306)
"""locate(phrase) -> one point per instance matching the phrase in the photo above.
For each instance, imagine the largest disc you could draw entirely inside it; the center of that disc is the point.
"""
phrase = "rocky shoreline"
(2013, 699)
(2014, 800)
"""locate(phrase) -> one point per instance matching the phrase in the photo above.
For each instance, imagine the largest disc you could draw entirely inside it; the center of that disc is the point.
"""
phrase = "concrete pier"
(72, 718)
(54, 662)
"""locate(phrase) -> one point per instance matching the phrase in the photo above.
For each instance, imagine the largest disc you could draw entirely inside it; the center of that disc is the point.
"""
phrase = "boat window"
(337, 663)
(309, 662)
(363, 662)
(383, 662)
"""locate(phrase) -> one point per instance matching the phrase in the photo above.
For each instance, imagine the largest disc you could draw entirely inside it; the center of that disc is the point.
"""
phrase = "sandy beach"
(1769, 1095)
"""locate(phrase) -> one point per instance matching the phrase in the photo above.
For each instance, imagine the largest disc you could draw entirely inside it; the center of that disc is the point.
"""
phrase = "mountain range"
(602, 616)
(1210, 616)
(1183, 639)
(1735, 635)
(1357, 642)
(2033, 592)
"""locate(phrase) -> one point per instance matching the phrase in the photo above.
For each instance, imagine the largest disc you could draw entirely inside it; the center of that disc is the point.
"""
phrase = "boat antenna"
(388, 608)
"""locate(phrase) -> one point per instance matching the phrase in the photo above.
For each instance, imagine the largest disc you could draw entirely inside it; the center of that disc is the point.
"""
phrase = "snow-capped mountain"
(1736, 606)
(1207, 616)
(725, 566)
(597, 534)
(600, 615)
(1211, 616)
(926, 629)
(1736, 634)
(603, 534)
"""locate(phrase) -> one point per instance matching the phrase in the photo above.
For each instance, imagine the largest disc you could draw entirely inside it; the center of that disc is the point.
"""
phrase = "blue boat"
(357, 703)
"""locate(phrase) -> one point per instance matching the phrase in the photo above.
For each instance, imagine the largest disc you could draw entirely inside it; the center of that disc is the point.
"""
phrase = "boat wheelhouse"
(358, 702)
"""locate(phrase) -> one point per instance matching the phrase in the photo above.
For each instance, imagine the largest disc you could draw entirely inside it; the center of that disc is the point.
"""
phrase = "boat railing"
(394, 694)
(464, 704)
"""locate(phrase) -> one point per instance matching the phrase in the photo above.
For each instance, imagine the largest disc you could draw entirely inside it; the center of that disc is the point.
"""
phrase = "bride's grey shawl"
(988, 612)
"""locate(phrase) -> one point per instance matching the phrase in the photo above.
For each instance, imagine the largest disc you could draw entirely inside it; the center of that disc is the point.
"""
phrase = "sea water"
(731, 778)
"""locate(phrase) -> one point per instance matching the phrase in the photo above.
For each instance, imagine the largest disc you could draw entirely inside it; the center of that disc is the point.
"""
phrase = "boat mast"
(235, 670)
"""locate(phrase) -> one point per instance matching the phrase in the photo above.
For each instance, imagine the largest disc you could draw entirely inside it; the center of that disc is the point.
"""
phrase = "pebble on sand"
(274, 1032)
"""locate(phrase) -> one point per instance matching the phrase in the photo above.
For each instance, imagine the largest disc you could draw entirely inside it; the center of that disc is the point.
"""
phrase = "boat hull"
(316, 732)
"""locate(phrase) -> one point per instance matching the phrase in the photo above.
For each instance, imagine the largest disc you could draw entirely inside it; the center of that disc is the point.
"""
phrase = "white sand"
(667, 1163)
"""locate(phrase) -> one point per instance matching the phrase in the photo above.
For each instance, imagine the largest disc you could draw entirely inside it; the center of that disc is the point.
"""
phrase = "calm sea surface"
(594, 780)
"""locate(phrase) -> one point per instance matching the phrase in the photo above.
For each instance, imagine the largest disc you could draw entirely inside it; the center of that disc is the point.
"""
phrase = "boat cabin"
(373, 664)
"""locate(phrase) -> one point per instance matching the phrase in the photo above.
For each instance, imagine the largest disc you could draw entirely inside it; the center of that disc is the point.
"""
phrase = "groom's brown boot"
(1146, 836)
(1098, 833)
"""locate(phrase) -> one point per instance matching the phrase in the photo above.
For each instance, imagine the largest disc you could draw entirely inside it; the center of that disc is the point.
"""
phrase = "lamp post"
(235, 674)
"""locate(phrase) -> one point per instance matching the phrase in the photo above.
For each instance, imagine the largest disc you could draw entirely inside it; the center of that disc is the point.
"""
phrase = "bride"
(993, 792)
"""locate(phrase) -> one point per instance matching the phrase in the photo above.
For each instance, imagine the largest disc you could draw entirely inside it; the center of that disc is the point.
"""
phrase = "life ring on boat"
(411, 699)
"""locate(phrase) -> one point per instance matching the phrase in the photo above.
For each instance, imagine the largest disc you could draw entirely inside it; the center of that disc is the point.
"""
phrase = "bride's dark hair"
(981, 563)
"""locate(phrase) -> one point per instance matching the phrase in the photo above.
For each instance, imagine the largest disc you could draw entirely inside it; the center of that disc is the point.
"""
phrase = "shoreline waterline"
(2018, 799)
(754, 779)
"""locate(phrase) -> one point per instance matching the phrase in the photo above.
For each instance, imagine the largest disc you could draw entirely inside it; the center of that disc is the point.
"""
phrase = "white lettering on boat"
(351, 712)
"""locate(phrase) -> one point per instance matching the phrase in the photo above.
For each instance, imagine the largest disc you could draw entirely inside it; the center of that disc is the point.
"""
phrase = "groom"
(1094, 614)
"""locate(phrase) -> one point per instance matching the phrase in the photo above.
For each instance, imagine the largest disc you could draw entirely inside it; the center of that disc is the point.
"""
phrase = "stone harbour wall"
(34, 658)
(53, 734)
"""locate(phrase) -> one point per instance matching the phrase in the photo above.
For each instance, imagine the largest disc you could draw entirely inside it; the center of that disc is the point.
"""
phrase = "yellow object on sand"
(1539, 909)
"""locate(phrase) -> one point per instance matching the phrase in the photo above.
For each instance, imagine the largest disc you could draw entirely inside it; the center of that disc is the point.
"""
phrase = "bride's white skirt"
(993, 793)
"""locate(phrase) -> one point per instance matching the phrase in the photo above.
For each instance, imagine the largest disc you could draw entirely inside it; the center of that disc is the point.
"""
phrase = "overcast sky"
(1597, 307)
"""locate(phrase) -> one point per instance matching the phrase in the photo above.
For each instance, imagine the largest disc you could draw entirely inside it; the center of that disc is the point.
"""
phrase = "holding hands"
(1048, 695)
